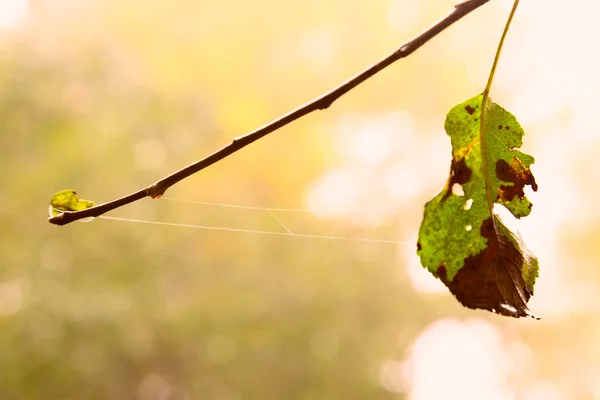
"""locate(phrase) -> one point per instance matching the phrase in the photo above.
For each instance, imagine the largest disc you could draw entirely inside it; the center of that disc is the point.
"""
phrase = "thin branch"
(157, 189)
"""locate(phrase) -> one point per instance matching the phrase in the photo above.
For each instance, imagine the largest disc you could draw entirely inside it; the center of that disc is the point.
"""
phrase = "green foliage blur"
(122, 311)
(105, 97)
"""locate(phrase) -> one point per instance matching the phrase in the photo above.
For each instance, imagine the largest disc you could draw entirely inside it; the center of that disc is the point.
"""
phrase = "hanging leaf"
(67, 200)
(461, 241)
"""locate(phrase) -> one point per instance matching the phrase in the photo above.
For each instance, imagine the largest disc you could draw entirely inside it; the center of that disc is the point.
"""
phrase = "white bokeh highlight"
(12, 12)
(452, 359)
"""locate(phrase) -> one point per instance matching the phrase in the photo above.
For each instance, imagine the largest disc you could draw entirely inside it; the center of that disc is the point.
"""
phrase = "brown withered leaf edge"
(492, 279)
(518, 178)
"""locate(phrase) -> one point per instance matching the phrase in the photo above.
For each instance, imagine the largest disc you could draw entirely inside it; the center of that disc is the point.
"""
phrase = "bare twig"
(322, 102)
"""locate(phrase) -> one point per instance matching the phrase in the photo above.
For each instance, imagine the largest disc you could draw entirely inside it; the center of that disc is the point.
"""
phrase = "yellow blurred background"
(105, 97)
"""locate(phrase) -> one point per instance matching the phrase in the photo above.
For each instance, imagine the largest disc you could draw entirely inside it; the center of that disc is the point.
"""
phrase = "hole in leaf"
(468, 204)
(458, 190)
(468, 228)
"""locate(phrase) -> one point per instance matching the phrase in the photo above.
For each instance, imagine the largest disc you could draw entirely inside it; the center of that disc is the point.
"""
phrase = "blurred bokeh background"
(107, 96)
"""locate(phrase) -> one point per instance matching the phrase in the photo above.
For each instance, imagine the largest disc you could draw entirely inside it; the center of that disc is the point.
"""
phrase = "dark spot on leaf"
(459, 173)
(470, 110)
(507, 173)
(507, 128)
(487, 228)
(499, 126)
(418, 246)
(503, 170)
(492, 280)
(441, 271)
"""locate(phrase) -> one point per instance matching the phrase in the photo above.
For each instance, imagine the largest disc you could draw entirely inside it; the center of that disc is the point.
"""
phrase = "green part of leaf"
(67, 200)
(461, 241)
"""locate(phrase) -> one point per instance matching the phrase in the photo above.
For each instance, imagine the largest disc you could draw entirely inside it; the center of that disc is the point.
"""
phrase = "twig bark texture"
(157, 189)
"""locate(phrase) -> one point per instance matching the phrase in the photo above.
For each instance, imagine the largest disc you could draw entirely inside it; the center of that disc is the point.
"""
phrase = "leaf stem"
(484, 105)
(157, 189)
